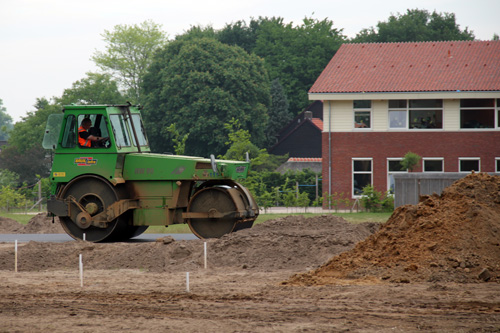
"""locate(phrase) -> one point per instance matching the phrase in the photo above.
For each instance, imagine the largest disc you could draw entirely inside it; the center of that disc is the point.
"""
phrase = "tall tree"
(416, 25)
(279, 115)
(200, 84)
(24, 153)
(296, 55)
(5, 122)
(93, 89)
(240, 34)
(129, 52)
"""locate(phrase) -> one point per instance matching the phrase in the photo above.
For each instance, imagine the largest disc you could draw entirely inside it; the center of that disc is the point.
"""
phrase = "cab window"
(120, 132)
(96, 127)
(69, 136)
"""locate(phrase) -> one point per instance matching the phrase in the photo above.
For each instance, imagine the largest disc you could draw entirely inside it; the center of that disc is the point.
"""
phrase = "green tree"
(239, 142)
(5, 122)
(10, 198)
(278, 112)
(296, 55)
(197, 32)
(8, 178)
(266, 200)
(416, 25)
(410, 161)
(303, 200)
(128, 54)
(240, 34)
(200, 84)
(289, 199)
(24, 153)
(178, 140)
(95, 88)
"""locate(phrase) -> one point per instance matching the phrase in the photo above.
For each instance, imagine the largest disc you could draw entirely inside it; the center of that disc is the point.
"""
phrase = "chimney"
(308, 115)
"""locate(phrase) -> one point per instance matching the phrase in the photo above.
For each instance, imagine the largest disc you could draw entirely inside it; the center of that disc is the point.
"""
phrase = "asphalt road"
(59, 238)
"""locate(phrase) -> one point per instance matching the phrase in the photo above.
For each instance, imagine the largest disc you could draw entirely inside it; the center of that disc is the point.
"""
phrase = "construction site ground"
(432, 267)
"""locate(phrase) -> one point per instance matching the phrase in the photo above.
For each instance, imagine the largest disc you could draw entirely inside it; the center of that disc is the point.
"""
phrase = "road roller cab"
(108, 186)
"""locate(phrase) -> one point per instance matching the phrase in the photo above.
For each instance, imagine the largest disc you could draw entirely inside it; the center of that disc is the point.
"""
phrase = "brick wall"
(382, 145)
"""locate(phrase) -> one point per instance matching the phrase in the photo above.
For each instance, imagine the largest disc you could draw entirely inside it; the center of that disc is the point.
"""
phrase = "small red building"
(440, 100)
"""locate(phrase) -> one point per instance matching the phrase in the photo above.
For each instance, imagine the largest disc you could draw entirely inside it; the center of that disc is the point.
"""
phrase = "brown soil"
(454, 237)
(440, 246)
(293, 243)
(39, 224)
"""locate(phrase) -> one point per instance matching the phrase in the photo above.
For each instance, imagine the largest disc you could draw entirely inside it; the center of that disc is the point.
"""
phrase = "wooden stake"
(205, 253)
(15, 256)
(81, 270)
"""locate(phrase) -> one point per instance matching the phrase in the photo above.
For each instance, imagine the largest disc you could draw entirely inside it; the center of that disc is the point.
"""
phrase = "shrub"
(375, 201)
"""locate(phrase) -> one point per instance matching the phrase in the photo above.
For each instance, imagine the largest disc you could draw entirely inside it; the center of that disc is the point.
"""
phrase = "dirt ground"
(431, 267)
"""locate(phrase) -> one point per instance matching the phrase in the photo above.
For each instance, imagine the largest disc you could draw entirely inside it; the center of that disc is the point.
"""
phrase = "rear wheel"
(95, 196)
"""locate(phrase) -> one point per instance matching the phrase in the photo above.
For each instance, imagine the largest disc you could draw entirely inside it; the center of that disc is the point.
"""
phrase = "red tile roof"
(412, 67)
(305, 159)
(318, 122)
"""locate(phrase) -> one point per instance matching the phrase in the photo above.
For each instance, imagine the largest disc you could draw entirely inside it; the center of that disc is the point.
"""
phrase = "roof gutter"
(402, 95)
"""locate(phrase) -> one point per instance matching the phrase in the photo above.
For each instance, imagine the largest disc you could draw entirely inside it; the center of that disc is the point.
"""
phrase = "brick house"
(440, 100)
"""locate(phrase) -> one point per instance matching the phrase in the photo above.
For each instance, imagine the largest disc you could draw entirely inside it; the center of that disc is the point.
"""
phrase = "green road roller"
(108, 186)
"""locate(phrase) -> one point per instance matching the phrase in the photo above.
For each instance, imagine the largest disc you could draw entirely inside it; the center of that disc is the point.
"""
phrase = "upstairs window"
(362, 114)
(416, 114)
(479, 113)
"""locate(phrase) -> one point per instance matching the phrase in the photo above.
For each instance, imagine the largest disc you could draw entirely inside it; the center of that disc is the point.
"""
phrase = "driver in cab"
(87, 137)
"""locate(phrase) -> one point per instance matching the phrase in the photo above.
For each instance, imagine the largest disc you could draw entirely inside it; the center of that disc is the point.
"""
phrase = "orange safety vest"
(81, 141)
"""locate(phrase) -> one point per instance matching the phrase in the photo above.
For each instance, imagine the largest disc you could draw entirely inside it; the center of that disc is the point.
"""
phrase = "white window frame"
(360, 172)
(497, 113)
(407, 110)
(460, 159)
(390, 173)
(432, 159)
(361, 110)
(496, 116)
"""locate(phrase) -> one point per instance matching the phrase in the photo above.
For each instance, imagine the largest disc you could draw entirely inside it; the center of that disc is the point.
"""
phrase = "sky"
(47, 45)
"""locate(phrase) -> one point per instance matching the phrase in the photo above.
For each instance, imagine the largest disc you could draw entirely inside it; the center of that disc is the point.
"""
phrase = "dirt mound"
(39, 224)
(10, 226)
(454, 237)
(294, 243)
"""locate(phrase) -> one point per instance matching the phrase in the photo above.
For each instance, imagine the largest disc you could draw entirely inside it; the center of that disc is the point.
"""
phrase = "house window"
(393, 167)
(416, 114)
(433, 165)
(498, 113)
(362, 114)
(478, 113)
(469, 164)
(497, 164)
(361, 175)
